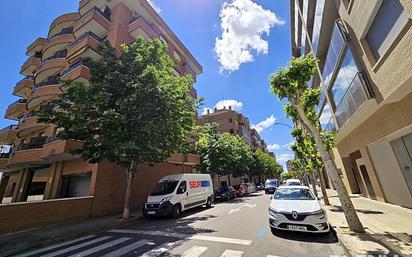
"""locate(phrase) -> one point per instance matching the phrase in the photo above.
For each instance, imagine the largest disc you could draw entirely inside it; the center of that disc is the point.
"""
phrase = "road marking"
(272, 256)
(54, 246)
(233, 211)
(75, 247)
(100, 247)
(231, 253)
(195, 251)
(249, 205)
(159, 250)
(238, 209)
(185, 236)
(127, 248)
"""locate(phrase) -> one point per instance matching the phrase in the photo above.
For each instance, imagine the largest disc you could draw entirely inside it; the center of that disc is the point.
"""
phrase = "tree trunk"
(323, 188)
(313, 182)
(228, 179)
(350, 213)
(130, 174)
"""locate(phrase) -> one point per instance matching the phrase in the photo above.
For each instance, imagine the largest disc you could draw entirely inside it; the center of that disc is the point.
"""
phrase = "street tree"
(264, 164)
(133, 111)
(291, 83)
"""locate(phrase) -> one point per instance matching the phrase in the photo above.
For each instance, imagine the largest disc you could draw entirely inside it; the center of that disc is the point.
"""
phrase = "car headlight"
(273, 212)
(319, 214)
(165, 199)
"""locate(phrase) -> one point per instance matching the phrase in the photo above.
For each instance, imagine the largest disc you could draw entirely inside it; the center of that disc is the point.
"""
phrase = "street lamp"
(283, 124)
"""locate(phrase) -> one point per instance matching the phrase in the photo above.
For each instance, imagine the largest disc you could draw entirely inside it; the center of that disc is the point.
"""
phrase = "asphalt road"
(231, 229)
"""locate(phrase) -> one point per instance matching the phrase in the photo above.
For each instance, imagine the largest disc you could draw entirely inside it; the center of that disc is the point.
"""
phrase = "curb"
(341, 242)
(44, 242)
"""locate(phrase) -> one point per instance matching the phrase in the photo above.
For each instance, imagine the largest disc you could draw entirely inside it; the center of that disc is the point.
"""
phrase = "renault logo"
(294, 215)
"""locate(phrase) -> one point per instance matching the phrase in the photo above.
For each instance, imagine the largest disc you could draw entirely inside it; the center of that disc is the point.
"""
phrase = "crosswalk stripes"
(127, 249)
(101, 247)
(195, 251)
(54, 246)
(75, 247)
(159, 250)
(231, 253)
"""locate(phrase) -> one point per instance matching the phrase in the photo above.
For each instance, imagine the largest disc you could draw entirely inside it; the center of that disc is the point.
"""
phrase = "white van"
(176, 193)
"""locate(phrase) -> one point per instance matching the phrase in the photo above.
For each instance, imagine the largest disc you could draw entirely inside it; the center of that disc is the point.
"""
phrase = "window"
(76, 185)
(163, 39)
(182, 187)
(325, 118)
(231, 131)
(388, 23)
(320, 5)
(230, 120)
(176, 54)
(335, 48)
(176, 73)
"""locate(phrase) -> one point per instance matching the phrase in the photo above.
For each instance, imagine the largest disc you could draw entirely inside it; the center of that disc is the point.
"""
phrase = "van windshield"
(271, 183)
(165, 187)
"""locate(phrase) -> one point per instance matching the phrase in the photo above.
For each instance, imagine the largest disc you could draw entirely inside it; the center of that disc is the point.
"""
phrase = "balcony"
(24, 86)
(62, 24)
(57, 45)
(16, 109)
(51, 67)
(28, 124)
(44, 91)
(353, 99)
(28, 154)
(31, 65)
(138, 26)
(59, 150)
(36, 47)
(4, 159)
(94, 21)
(77, 72)
(187, 159)
(8, 134)
(84, 47)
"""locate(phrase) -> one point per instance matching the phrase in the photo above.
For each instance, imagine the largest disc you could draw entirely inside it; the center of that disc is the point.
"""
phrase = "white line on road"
(272, 256)
(185, 236)
(127, 248)
(100, 247)
(159, 250)
(231, 253)
(233, 211)
(195, 251)
(75, 247)
(249, 205)
(54, 246)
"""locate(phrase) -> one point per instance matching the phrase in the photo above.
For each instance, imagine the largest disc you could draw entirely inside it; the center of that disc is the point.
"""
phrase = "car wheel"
(208, 202)
(176, 211)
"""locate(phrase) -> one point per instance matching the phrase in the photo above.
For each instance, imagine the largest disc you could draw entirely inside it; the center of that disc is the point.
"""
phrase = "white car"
(296, 208)
(292, 182)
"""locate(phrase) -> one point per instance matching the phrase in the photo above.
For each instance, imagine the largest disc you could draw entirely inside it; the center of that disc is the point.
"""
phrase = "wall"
(19, 216)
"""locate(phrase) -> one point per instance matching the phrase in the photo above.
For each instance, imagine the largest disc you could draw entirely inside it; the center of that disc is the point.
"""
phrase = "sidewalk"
(388, 227)
(14, 243)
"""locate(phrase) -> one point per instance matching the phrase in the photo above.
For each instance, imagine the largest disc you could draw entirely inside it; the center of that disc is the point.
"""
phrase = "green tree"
(223, 153)
(291, 82)
(133, 111)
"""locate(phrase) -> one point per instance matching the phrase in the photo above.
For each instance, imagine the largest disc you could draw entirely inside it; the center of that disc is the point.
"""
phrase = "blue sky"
(256, 29)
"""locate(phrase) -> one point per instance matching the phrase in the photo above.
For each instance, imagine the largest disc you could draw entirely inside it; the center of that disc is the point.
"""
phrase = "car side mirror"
(318, 198)
(271, 197)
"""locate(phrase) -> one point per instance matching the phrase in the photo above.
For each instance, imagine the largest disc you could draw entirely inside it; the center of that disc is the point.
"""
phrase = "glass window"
(346, 74)
(320, 5)
(325, 118)
(304, 23)
(164, 188)
(296, 23)
(388, 23)
(182, 187)
(336, 45)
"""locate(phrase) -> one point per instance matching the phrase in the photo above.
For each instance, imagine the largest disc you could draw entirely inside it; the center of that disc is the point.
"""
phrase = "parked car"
(293, 182)
(240, 190)
(296, 208)
(271, 185)
(176, 193)
(251, 188)
(225, 193)
(259, 186)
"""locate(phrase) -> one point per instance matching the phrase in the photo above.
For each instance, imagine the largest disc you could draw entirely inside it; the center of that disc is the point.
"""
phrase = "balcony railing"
(9, 128)
(25, 78)
(75, 66)
(50, 81)
(355, 96)
(58, 54)
(85, 35)
(28, 115)
(4, 155)
(106, 13)
(35, 143)
(64, 31)
(52, 139)
(330, 126)
(19, 101)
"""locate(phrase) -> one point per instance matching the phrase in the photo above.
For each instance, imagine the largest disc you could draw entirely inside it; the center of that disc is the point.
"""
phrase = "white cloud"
(273, 147)
(234, 104)
(289, 145)
(267, 123)
(154, 5)
(243, 22)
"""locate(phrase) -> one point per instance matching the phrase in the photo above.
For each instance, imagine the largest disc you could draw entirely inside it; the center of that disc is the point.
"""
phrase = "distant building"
(289, 165)
(235, 123)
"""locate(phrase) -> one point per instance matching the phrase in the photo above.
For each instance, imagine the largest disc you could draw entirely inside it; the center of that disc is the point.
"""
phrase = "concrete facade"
(372, 121)
(40, 167)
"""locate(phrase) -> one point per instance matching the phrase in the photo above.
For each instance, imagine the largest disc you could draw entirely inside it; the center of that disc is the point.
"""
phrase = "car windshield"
(271, 183)
(293, 194)
(164, 188)
(293, 183)
(221, 189)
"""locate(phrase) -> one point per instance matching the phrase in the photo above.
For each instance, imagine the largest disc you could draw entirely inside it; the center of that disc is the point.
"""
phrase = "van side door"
(182, 194)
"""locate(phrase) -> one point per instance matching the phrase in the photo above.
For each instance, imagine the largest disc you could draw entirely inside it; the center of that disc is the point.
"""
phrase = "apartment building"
(40, 167)
(235, 123)
(365, 78)
(289, 165)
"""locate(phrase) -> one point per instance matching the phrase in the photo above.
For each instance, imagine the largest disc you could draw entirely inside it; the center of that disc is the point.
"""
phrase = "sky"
(239, 43)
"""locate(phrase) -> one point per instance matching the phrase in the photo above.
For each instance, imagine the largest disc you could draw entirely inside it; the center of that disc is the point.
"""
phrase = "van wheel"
(176, 211)
(209, 202)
